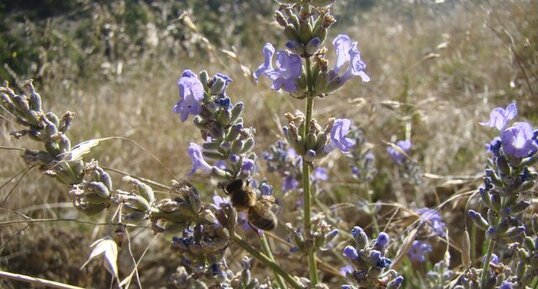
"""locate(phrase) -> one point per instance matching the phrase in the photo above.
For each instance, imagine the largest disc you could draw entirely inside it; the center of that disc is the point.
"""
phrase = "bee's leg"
(256, 230)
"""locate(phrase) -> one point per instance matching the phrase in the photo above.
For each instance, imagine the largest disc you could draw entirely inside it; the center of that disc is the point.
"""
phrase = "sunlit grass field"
(437, 70)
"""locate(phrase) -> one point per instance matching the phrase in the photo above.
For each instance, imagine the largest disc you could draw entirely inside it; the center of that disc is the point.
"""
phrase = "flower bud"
(35, 101)
(295, 47)
(305, 32)
(291, 33)
(65, 122)
(224, 117)
(312, 46)
(236, 112)
(361, 239)
(53, 148)
(204, 78)
(351, 253)
(478, 220)
(249, 143)
(395, 283)
(64, 144)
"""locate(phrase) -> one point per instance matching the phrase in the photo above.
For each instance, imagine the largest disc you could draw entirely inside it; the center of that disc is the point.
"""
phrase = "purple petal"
(268, 52)
(499, 117)
(517, 140)
(191, 92)
(198, 162)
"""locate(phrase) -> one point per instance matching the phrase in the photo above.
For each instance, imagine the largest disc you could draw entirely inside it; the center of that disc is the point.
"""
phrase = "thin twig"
(36, 281)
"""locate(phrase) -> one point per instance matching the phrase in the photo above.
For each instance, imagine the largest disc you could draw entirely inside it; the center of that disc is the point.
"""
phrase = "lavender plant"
(202, 232)
(505, 195)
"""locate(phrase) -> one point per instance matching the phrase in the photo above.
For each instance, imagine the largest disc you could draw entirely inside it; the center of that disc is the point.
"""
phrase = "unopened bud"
(312, 46)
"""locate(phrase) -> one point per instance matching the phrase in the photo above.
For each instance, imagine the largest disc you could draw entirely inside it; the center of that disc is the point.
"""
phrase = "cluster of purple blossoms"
(508, 177)
(431, 225)
(285, 161)
(287, 73)
(226, 141)
(368, 261)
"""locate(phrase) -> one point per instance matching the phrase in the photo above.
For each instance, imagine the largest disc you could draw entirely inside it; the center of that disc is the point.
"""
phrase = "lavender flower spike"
(338, 136)
(287, 71)
(191, 92)
(517, 140)
(198, 162)
(499, 117)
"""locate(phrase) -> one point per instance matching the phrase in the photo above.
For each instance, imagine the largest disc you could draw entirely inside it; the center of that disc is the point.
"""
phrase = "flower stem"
(371, 209)
(269, 253)
(268, 262)
(307, 194)
(485, 266)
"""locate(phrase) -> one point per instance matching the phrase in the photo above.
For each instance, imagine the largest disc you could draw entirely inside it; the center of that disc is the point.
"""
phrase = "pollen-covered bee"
(258, 208)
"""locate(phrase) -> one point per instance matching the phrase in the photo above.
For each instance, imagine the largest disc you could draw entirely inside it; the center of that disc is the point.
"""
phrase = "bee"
(258, 208)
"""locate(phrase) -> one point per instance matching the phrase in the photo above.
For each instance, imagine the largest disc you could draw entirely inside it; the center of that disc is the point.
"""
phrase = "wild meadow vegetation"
(269, 144)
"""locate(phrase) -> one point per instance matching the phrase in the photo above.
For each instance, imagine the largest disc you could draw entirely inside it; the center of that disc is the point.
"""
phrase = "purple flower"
(399, 155)
(198, 162)
(347, 57)
(351, 253)
(418, 251)
(218, 201)
(191, 92)
(494, 259)
(382, 241)
(507, 285)
(346, 269)
(320, 174)
(248, 167)
(499, 117)
(432, 218)
(395, 283)
(290, 183)
(517, 140)
(339, 140)
(287, 71)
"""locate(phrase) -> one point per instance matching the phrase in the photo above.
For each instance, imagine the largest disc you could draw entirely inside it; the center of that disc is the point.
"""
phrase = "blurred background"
(437, 69)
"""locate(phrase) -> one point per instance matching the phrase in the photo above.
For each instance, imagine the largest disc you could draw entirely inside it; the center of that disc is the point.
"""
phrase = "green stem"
(371, 210)
(268, 262)
(307, 194)
(269, 253)
(485, 266)
(535, 283)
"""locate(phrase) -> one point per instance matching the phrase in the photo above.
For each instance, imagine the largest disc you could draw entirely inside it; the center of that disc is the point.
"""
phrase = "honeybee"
(258, 208)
